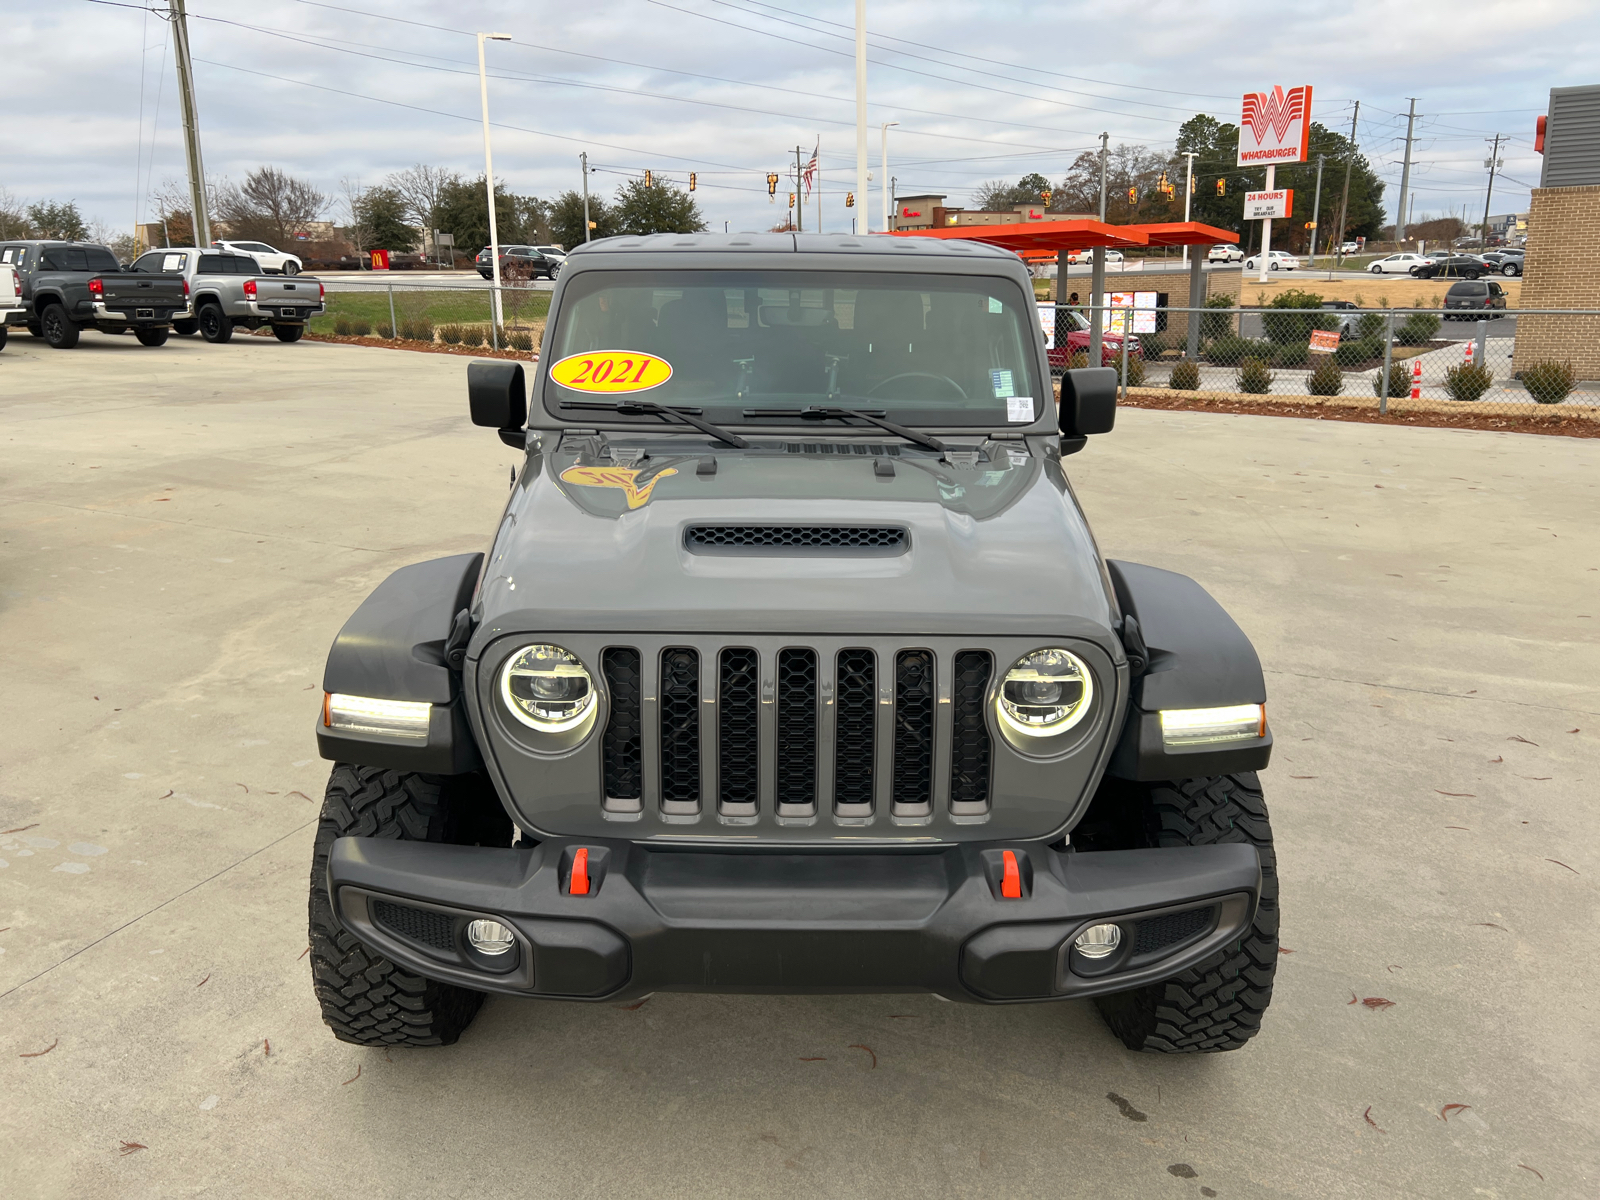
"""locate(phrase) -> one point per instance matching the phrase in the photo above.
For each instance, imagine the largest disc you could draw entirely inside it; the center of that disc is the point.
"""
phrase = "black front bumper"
(749, 921)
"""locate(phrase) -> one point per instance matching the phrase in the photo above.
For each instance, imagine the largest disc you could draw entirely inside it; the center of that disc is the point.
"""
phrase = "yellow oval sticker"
(611, 371)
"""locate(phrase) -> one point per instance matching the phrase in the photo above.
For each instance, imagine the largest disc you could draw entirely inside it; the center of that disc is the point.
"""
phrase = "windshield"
(928, 349)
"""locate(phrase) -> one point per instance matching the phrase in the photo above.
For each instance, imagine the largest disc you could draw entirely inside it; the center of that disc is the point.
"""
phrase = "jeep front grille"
(859, 540)
(850, 732)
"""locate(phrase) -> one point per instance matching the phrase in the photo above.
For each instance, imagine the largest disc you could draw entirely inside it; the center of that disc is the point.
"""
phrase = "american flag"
(809, 175)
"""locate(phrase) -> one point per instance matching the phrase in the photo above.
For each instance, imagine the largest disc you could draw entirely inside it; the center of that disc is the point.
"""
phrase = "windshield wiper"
(821, 412)
(650, 408)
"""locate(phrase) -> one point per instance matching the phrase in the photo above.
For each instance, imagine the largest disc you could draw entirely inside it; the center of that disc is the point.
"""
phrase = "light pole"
(861, 112)
(887, 199)
(488, 186)
(1188, 198)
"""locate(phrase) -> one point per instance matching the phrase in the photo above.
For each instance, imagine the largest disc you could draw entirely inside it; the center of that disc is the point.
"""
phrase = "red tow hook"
(578, 881)
(1010, 877)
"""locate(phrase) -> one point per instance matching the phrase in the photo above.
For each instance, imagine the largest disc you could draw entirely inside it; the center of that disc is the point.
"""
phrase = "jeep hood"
(999, 548)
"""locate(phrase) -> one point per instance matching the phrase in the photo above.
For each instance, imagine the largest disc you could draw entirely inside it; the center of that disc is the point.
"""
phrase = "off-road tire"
(215, 325)
(151, 337)
(35, 329)
(1218, 1003)
(288, 333)
(186, 328)
(2, 337)
(59, 331)
(365, 998)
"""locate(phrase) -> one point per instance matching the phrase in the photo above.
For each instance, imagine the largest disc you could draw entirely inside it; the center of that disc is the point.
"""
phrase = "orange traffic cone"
(1416, 378)
(1469, 354)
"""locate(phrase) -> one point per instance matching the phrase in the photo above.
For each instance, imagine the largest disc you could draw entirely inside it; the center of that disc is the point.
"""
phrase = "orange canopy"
(1183, 233)
(1034, 240)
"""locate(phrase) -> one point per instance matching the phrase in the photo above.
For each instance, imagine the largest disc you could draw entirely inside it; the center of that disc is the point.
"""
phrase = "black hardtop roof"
(53, 242)
(792, 243)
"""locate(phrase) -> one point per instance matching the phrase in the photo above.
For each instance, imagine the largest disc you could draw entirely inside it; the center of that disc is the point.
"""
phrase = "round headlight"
(547, 688)
(1046, 692)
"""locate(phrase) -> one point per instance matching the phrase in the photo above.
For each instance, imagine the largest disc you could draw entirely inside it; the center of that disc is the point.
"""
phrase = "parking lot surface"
(182, 532)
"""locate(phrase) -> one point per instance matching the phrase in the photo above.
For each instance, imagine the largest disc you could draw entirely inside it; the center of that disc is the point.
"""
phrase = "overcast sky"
(728, 88)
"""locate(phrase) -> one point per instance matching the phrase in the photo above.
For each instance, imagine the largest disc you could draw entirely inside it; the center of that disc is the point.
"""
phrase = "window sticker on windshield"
(1003, 386)
(174, 262)
(611, 371)
(995, 305)
(1019, 408)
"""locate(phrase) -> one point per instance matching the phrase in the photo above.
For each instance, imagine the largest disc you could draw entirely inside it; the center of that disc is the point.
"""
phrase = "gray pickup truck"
(793, 666)
(68, 287)
(227, 290)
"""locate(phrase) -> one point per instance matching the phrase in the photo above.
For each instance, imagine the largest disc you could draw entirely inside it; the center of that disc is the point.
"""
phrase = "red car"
(1078, 340)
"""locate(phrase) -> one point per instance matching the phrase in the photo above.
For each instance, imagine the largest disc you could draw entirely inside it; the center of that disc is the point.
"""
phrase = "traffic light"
(1222, 187)
(791, 199)
(849, 199)
(1133, 195)
(691, 181)
(772, 187)
(647, 179)
(1045, 196)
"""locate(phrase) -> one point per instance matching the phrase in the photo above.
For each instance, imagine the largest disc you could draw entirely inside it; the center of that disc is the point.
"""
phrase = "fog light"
(1098, 941)
(491, 937)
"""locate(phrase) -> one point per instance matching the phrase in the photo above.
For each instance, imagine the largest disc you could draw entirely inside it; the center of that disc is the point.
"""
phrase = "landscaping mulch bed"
(424, 347)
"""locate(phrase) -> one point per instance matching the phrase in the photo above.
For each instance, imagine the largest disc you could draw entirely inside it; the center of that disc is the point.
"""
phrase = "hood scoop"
(794, 541)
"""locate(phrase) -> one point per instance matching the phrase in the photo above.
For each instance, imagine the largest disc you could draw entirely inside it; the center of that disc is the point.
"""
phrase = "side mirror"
(1088, 401)
(499, 398)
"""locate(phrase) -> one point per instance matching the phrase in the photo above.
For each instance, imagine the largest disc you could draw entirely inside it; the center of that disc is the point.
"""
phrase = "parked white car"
(1277, 260)
(1224, 253)
(272, 261)
(1078, 257)
(1399, 264)
(11, 310)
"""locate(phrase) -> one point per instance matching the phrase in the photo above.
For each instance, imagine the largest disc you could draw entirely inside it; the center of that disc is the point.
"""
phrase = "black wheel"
(365, 998)
(59, 332)
(186, 328)
(1474, 274)
(151, 337)
(35, 329)
(289, 268)
(215, 325)
(2, 337)
(288, 333)
(1217, 1004)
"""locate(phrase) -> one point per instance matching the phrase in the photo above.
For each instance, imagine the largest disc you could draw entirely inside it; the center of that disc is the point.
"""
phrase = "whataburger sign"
(1275, 127)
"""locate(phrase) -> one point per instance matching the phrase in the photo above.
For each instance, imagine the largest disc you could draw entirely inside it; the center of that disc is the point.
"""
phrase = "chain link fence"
(452, 312)
(1390, 361)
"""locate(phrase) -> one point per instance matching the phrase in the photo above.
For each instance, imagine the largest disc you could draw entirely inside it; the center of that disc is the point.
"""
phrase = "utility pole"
(888, 227)
(1316, 213)
(1188, 198)
(861, 113)
(496, 314)
(1493, 164)
(584, 159)
(1405, 181)
(1344, 203)
(1097, 280)
(199, 210)
(799, 193)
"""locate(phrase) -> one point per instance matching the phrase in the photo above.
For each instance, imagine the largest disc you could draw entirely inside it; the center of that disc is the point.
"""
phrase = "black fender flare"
(1195, 656)
(405, 643)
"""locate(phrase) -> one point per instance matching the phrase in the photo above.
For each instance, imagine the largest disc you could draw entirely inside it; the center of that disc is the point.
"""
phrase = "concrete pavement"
(184, 529)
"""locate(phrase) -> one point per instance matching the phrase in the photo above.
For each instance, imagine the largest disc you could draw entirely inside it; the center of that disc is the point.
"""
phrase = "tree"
(997, 195)
(420, 189)
(566, 219)
(660, 208)
(463, 212)
(13, 217)
(380, 217)
(269, 206)
(62, 221)
(171, 204)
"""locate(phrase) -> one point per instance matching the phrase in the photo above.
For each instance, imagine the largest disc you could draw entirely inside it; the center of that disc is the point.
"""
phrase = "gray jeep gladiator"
(227, 290)
(68, 287)
(792, 666)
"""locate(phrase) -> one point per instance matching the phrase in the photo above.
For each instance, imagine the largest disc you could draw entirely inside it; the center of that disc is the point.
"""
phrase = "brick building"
(931, 212)
(1563, 261)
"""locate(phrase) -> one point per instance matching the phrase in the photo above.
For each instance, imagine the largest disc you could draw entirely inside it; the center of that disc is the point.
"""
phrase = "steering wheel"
(960, 391)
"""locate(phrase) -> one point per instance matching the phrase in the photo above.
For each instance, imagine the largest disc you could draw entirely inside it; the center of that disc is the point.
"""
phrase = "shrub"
(1154, 345)
(386, 330)
(1326, 377)
(1399, 381)
(472, 335)
(417, 330)
(1549, 382)
(341, 325)
(1288, 327)
(1469, 381)
(1186, 376)
(1217, 325)
(519, 339)
(1254, 377)
(450, 335)
(1076, 363)
(1229, 351)
(1292, 355)
(1358, 350)
(1417, 330)
(1370, 325)
(1134, 376)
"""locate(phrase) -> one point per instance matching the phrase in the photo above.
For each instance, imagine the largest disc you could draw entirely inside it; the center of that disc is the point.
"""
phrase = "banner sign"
(1258, 206)
(1130, 312)
(1324, 341)
(1275, 127)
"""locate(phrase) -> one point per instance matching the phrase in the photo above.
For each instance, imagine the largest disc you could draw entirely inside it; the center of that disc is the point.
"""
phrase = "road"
(186, 528)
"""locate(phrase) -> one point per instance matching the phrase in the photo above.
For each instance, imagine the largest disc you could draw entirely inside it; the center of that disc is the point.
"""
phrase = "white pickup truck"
(227, 290)
(11, 309)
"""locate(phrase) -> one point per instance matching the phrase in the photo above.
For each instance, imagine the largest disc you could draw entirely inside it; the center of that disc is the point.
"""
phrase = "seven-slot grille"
(812, 731)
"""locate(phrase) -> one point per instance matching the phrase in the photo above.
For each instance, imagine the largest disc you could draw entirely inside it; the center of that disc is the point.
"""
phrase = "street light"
(887, 228)
(488, 182)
